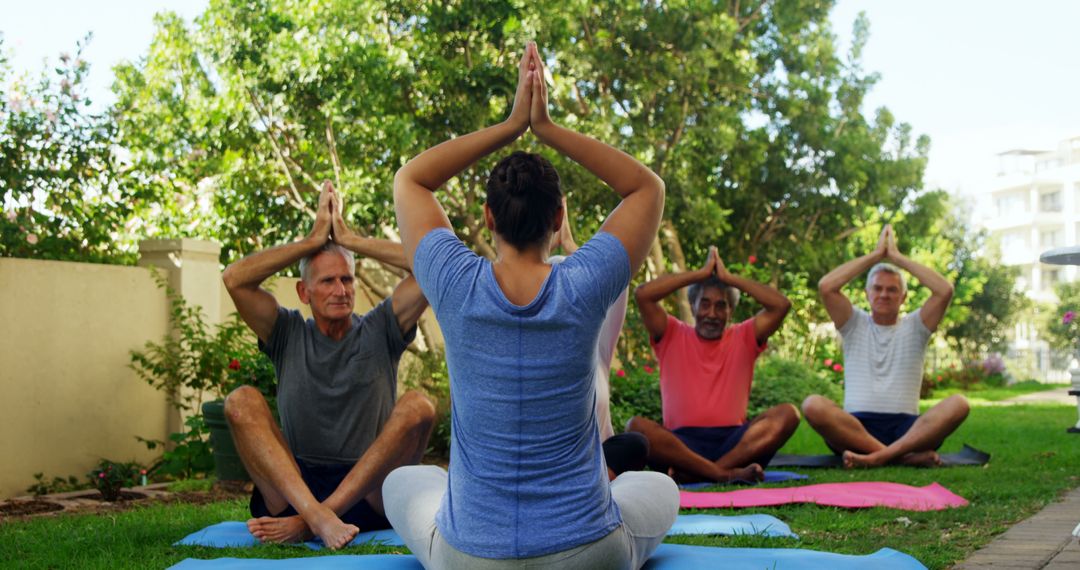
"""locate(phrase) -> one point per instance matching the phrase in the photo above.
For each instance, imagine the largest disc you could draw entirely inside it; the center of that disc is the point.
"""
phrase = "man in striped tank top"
(883, 365)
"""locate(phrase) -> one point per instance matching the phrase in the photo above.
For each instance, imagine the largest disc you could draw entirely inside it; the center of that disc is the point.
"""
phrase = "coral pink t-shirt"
(706, 383)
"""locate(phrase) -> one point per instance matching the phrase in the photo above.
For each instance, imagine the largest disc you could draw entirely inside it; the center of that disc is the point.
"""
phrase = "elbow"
(948, 291)
(785, 307)
(824, 286)
(228, 278)
(641, 294)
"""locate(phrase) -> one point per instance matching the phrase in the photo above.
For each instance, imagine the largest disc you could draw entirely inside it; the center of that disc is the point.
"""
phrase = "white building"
(1033, 205)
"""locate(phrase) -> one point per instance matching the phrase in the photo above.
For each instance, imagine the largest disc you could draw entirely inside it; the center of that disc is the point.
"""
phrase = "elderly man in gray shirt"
(342, 431)
(883, 365)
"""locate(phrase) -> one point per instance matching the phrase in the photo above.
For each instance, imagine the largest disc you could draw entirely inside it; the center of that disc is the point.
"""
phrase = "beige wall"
(69, 398)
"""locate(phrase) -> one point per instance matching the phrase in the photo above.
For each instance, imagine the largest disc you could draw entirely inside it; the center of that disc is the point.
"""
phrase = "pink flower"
(1068, 317)
(12, 215)
(838, 368)
(828, 362)
(621, 373)
(32, 238)
(648, 369)
(234, 365)
(101, 475)
(752, 259)
(142, 471)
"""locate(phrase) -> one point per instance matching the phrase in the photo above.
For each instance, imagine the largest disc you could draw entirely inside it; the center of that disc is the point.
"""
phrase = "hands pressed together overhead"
(530, 100)
(886, 246)
(714, 266)
(329, 224)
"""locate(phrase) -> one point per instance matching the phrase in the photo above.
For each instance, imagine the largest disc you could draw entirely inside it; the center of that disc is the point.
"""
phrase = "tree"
(62, 195)
(745, 109)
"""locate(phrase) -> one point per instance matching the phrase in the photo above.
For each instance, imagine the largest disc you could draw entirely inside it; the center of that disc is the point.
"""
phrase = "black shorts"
(885, 427)
(712, 443)
(627, 451)
(323, 480)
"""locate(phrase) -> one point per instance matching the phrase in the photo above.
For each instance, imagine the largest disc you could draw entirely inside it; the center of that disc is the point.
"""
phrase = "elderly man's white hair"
(887, 268)
(305, 263)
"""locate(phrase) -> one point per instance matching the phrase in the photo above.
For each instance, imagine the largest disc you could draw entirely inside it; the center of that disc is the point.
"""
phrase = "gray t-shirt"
(883, 365)
(335, 396)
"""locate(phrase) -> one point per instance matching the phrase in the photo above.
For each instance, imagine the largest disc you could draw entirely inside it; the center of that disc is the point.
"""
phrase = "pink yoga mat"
(855, 495)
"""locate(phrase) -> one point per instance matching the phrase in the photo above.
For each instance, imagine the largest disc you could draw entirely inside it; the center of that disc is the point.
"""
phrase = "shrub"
(780, 380)
(428, 373)
(971, 376)
(57, 485)
(110, 476)
(635, 392)
(199, 362)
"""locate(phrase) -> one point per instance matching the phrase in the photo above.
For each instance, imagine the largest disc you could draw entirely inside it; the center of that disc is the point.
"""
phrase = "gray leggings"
(648, 502)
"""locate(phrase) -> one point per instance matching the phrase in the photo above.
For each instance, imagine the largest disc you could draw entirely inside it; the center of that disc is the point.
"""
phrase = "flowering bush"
(780, 380)
(971, 376)
(109, 477)
(200, 362)
(635, 391)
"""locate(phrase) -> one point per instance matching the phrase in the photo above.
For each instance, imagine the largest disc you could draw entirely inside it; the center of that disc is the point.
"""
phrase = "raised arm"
(636, 219)
(418, 212)
(831, 285)
(408, 301)
(564, 238)
(941, 291)
(243, 279)
(775, 305)
(648, 295)
(383, 250)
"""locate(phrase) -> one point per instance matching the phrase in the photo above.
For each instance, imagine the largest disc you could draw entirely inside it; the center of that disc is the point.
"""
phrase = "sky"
(978, 76)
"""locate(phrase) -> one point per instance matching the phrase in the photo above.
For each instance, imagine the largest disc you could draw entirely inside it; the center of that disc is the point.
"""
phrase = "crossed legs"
(274, 471)
(766, 433)
(844, 431)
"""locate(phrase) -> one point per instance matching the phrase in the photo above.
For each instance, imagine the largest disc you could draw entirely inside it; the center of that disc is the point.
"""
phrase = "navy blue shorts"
(885, 428)
(323, 480)
(711, 442)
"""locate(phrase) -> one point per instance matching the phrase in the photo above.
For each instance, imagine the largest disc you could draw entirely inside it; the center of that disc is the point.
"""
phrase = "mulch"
(90, 502)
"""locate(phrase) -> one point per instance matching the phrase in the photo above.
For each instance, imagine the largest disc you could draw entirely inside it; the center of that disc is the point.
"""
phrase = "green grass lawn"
(1034, 462)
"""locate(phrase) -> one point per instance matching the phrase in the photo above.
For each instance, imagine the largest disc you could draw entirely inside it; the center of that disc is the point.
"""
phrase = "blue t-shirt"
(527, 475)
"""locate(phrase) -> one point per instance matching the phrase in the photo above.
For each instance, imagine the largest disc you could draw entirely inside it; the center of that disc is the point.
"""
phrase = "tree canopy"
(225, 127)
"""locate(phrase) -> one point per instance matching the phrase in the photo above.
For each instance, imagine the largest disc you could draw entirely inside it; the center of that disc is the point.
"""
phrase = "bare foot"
(922, 459)
(752, 473)
(280, 530)
(334, 533)
(854, 460)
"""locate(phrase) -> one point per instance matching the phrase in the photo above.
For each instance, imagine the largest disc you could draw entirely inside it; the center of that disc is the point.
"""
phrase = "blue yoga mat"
(235, 533)
(770, 477)
(685, 557)
(765, 525)
(667, 557)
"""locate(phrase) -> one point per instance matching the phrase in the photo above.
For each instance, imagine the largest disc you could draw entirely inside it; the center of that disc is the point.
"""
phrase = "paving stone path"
(1045, 540)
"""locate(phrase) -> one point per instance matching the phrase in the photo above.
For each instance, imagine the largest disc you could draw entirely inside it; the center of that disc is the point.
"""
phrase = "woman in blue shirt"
(527, 483)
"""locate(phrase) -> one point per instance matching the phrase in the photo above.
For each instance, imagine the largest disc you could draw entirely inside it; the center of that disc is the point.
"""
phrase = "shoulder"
(858, 320)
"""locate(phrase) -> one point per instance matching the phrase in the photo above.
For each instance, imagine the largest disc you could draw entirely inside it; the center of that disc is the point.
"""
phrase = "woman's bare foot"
(922, 459)
(280, 530)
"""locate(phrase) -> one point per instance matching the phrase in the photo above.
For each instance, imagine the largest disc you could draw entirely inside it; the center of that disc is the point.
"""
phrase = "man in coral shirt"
(705, 376)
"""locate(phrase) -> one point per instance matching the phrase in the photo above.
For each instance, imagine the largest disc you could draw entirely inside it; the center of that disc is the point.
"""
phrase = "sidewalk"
(1042, 541)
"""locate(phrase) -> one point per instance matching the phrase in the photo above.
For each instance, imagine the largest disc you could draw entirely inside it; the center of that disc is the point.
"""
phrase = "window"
(1050, 201)
(1052, 238)
(1010, 204)
(1050, 277)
